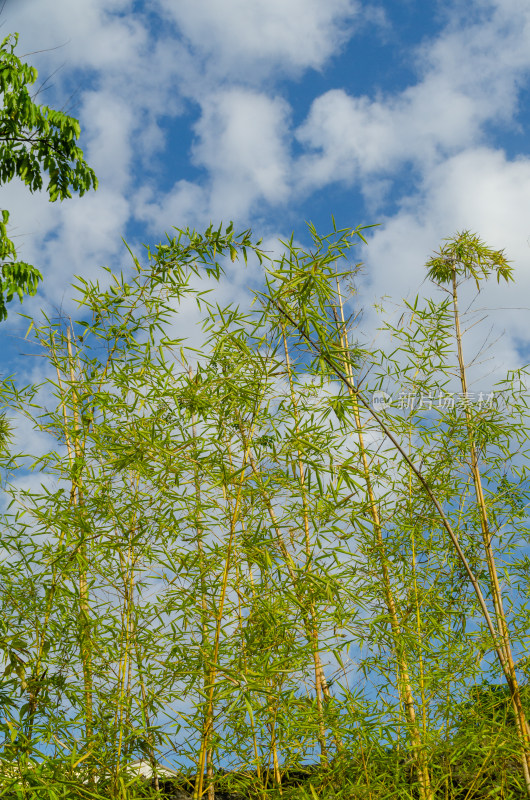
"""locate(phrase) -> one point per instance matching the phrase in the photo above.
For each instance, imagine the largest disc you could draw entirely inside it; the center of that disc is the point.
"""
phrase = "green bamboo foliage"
(403, 670)
(466, 256)
(226, 561)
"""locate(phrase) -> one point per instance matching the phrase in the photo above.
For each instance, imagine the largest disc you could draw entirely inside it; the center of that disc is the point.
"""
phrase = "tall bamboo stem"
(321, 685)
(125, 667)
(291, 567)
(404, 686)
(205, 645)
(207, 729)
(84, 600)
(244, 654)
(487, 536)
(37, 676)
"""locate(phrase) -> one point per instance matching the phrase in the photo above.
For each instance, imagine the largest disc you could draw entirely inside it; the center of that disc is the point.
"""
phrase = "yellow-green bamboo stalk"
(291, 567)
(208, 711)
(84, 605)
(505, 643)
(404, 685)
(147, 721)
(245, 663)
(207, 729)
(418, 619)
(271, 722)
(41, 635)
(125, 666)
(321, 685)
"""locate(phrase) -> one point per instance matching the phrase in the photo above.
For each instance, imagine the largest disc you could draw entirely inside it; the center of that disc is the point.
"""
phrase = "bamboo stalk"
(274, 747)
(321, 686)
(145, 711)
(487, 536)
(291, 567)
(84, 601)
(145, 714)
(271, 722)
(33, 694)
(245, 668)
(404, 685)
(205, 645)
(125, 667)
(418, 617)
(234, 516)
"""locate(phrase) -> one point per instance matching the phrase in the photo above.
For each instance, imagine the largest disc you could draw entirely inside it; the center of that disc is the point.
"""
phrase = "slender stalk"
(487, 536)
(272, 711)
(125, 667)
(291, 567)
(244, 656)
(271, 721)
(321, 686)
(84, 604)
(145, 714)
(417, 611)
(37, 675)
(404, 684)
(274, 747)
(198, 792)
(205, 644)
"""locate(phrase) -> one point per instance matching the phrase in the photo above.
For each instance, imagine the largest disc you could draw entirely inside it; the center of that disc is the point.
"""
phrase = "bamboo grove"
(228, 559)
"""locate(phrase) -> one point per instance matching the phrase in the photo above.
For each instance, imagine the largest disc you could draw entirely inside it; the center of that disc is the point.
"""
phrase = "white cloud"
(437, 132)
(127, 75)
(244, 40)
(123, 81)
(98, 34)
(186, 204)
(242, 143)
(469, 76)
(65, 240)
(108, 147)
(480, 190)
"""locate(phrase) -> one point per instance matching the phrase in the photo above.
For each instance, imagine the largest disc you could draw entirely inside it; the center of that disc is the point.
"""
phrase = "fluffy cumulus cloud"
(136, 68)
(242, 146)
(98, 61)
(440, 134)
(99, 34)
(124, 71)
(463, 84)
(353, 138)
(243, 40)
(481, 190)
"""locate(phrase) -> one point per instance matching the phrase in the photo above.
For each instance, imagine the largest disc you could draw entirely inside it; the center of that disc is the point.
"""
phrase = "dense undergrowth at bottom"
(476, 770)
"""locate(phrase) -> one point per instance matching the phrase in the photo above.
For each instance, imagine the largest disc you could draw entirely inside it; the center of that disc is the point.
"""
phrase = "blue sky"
(412, 115)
